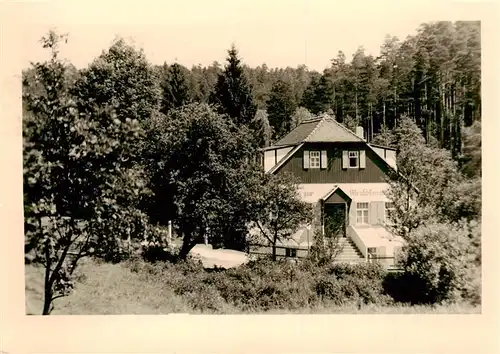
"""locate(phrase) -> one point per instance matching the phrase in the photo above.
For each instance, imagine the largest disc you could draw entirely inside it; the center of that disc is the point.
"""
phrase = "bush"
(441, 263)
(349, 283)
(264, 285)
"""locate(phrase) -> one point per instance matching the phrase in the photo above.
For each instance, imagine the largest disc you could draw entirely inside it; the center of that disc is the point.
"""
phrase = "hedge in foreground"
(264, 285)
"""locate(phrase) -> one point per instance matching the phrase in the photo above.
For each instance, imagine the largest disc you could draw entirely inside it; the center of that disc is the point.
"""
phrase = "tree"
(279, 211)
(301, 114)
(262, 129)
(350, 123)
(384, 137)
(175, 88)
(200, 165)
(441, 260)
(470, 160)
(81, 180)
(328, 232)
(318, 95)
(233, 95)
(123, 77)
(280, 107)
(422, 179)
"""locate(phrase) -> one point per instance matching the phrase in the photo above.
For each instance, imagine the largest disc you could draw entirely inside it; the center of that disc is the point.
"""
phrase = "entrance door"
(335, 220)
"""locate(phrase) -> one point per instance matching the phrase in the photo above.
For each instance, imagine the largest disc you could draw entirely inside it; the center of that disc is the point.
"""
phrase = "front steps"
(350, 252)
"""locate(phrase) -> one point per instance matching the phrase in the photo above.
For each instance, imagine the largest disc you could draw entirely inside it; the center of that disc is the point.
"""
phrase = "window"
(291, 252)
(353, 159)
(314, 159)
(372, 252)
(389, 212)
(361, 213)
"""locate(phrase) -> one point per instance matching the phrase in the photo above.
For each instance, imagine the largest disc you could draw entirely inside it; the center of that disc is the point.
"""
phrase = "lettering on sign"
(365, 193)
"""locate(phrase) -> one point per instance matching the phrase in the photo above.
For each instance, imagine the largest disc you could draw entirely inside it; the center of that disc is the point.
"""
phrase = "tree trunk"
(371, 123)
(47, 298)
(356, 104)
(187, 246)
(395, 106)
(441, 122)
(383, 112)
(275, 240)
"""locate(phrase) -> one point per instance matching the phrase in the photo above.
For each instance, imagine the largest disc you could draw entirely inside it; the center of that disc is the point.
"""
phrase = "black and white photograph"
(243, 158)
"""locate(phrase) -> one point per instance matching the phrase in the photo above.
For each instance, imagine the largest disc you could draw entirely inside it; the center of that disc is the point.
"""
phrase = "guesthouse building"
(342, 176)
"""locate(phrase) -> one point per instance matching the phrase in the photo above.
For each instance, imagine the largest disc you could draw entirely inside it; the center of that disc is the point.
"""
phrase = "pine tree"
(233, 94)
(318, 95)
(350, 123)
(176, 91)
(280, 107)
(384, 137)
(261, 128)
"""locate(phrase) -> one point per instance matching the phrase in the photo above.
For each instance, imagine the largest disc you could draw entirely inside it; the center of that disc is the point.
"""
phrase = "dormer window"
(353, 159)
(315, 159)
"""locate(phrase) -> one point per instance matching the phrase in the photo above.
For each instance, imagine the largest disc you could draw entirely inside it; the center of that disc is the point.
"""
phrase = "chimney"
(359, 132)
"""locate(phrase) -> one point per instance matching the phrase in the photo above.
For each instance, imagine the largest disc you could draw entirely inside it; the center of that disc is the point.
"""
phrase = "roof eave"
(274, 147)
(382, 147)
(285, 158)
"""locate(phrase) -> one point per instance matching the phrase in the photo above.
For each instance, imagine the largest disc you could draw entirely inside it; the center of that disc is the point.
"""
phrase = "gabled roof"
(285, 158)
(335, 190)
(319, 130)
(324, 129)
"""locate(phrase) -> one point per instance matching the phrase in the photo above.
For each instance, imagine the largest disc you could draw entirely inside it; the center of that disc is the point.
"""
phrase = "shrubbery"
(441, 262)
(264, 285)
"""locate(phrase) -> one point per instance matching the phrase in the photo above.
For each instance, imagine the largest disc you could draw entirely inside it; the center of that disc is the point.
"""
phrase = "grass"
(103, 288)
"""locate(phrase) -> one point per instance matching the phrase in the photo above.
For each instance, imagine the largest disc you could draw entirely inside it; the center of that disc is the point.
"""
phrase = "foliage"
(427, 175)
(279, 210)
(301, 114)
(266, 285)
(200, 168)
(120, 76)
(175, 88)
(384, 137)
(350, 123)
(318, 95)
(262, 129)
(233, 95)
(463, 200)
(471, 158)
(328, 232)
(280, 107)
(81, 185)
(440, 262)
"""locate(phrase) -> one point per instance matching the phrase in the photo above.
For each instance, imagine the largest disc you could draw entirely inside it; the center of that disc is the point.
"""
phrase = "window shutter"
(381, 212)
(306, 159)
(324, 160)
(373, 213)
(345, 159)
(362, 159)
(352, 213)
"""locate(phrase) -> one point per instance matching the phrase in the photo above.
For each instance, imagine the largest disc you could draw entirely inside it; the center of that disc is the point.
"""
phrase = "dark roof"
(300, 133)
(324, 129)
